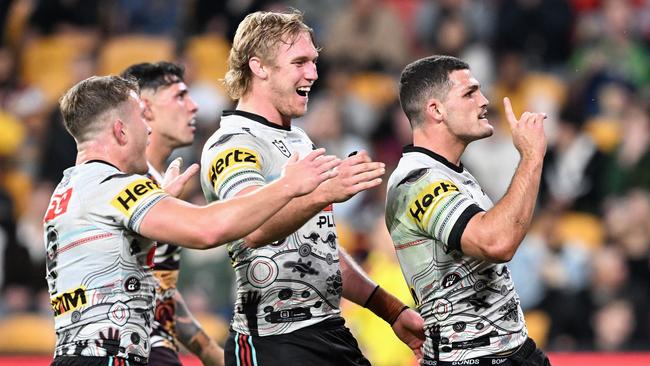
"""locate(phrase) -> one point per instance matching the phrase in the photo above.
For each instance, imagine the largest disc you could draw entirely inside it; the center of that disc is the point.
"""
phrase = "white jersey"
(294, 282)
(470, 306)
(98, 266)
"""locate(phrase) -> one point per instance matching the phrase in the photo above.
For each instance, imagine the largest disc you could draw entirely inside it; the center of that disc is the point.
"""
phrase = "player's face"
(173, 114)
(292, 75)
(466, 108)
(139, 136)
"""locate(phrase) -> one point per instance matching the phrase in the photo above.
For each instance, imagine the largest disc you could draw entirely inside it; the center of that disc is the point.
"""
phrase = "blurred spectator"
(629, 165)
(368, 36)
(572, 177)
(540, 29)
(52, 16)
(153, 17)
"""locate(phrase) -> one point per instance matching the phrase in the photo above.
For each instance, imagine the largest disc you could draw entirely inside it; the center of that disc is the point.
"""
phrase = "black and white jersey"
(98, 266)
(294, 282)
(469, 305)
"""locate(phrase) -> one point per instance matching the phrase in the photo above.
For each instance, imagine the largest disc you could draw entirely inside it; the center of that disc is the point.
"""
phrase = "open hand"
(173, 181)
(356, 173)
(304, 176)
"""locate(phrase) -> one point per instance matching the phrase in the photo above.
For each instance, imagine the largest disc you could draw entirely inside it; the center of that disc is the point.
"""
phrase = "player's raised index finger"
(510, 115)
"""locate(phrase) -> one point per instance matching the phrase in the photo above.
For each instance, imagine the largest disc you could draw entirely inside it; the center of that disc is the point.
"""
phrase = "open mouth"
(483, 115)
(303, 91)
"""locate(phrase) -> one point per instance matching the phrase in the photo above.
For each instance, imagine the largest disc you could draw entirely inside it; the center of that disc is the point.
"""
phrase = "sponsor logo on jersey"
(58, 205)
(428, 199)
(128, 198)
(69, 301)
(232, 159)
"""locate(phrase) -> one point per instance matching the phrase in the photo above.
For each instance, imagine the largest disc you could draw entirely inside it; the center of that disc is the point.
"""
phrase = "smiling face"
(466, 108)
(291, 76)
(172, 114)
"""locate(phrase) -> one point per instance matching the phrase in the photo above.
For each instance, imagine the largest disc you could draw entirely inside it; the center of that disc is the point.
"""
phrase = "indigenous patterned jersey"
(294, 282)
(469, 305)
(98, 266)
(166, 266)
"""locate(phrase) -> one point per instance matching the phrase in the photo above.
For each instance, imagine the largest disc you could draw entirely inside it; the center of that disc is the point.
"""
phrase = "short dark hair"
(90, 98)
(425, 78)
(154, 75)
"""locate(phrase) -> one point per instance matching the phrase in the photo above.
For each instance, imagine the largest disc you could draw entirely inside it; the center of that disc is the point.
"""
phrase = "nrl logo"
(282, 147)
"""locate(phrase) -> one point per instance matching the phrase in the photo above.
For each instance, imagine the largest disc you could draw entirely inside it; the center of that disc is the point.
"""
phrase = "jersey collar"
(431, 154)
(256, 118)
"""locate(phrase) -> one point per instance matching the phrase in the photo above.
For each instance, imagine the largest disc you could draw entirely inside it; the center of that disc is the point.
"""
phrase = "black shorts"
(328, 343)
(527, 355)
(163, 356)
(93, 361)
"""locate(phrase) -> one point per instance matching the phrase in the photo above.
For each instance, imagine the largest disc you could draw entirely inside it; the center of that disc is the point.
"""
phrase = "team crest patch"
(282, 147)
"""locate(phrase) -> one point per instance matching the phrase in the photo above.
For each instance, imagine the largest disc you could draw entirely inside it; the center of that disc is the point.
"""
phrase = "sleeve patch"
(426, 201)
(127, 199)
(232, 160)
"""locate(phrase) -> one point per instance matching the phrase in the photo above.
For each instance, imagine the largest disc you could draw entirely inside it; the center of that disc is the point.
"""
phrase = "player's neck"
(89, 151)
(158, 153)
(263, 107)
(446, 146)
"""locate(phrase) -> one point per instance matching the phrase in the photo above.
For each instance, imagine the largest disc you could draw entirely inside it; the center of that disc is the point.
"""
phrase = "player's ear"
(119, 132)
(435, 110)
(257, 67)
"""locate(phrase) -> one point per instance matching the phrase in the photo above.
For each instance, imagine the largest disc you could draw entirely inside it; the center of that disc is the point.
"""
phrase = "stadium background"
(582, 272)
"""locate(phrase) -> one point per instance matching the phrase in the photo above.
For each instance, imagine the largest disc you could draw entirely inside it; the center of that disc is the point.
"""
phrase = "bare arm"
(407, 324)
(495, 235)
(355, 174)
(193, 337)
(200, 227)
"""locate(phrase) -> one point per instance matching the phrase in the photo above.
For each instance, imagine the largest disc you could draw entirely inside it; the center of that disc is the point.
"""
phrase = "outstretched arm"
(193, 337)
(355, 174)
(407, 324)
(181, 223)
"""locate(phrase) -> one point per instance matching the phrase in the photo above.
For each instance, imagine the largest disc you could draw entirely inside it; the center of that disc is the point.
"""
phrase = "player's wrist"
(385, 305)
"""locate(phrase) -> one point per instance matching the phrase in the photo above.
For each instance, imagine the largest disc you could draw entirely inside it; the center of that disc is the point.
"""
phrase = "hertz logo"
(232, 158)
(69, 301)
(428, 198)
(126, 200)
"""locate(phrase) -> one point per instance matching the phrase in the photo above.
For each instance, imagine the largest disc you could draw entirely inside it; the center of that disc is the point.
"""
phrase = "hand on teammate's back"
(355, 174)
(173, 181)
(527, 132)
(305, 175)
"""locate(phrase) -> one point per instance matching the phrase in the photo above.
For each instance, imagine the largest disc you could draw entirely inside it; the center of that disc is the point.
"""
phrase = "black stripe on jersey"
(460, 225)
(441, 159)
(223, 139)
(256, 118)
(413, 176)
(116, 175)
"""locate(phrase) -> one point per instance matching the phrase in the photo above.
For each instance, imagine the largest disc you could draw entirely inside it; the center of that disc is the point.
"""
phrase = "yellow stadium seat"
(374, 88)
(121, 52)
(538, 324)
(582, 228)
(605, 132)
(27, 333)
(47, 62)
(208, 56)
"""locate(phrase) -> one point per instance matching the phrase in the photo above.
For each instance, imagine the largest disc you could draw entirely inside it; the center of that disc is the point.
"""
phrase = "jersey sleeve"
(131, 197)
(439, 209)
(234, 165)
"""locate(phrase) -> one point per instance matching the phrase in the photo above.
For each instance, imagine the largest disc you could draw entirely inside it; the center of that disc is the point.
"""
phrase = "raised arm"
(355, 174)
(495, 235)
(178, 222)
